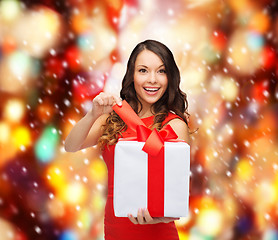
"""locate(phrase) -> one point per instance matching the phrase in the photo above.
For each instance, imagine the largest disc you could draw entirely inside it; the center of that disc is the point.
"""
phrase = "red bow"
(154, 140)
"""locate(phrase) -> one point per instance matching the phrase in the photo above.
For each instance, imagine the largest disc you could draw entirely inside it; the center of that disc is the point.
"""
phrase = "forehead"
(148, 58)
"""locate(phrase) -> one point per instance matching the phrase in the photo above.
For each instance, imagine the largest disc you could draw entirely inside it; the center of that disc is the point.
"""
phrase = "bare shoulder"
(181, 129)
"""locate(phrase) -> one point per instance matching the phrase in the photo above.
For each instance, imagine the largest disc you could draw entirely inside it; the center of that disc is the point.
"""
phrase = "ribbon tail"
(128, 115)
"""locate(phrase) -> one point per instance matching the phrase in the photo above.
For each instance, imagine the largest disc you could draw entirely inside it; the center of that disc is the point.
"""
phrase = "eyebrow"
(147, 67)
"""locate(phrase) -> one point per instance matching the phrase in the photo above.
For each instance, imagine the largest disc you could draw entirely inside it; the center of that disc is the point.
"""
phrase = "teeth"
(151, 89)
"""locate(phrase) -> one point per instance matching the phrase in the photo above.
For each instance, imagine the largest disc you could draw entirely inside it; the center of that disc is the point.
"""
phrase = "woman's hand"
(144, 217)
(103, 103)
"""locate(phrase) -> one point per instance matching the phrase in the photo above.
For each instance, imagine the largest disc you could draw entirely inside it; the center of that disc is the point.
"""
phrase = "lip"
(151, 93)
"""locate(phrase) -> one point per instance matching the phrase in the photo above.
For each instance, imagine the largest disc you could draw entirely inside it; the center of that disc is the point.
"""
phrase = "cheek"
(164, 82)
(165, 85)
(138, 81)
(137, 86)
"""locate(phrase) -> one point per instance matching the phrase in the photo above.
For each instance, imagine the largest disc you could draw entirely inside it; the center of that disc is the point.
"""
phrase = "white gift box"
(131, 178)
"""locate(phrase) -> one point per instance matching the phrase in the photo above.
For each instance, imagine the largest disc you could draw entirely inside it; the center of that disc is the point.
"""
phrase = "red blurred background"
(56, 56)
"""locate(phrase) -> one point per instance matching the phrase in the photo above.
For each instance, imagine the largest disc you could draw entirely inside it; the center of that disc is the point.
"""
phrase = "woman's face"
(150, 78)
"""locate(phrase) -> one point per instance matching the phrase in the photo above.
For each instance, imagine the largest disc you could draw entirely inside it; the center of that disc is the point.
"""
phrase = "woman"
(151, 87)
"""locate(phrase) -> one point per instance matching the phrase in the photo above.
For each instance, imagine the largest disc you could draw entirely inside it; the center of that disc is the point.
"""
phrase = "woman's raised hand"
(104, 102)
(144, 217)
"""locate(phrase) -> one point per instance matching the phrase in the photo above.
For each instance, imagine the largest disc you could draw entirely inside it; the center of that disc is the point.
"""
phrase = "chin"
(149, 101)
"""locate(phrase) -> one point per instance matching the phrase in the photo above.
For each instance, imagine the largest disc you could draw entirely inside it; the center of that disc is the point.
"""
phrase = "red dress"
(121, 228)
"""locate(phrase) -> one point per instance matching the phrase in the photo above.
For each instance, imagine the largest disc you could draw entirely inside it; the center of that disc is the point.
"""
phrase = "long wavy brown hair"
(172, 100)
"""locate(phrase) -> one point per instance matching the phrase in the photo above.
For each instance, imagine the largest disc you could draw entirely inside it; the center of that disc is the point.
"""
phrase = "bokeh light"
(7, 230)
(44, 29)
(14, 110)
(68, 235)
(21, 137)
(16, 72)
(5, 132)
(56, 177)
(74, 193)
(46, 145)
(9, 9)
(210, 222)
(229, 89)
(56, 56)
(245, 170)
(98, 170)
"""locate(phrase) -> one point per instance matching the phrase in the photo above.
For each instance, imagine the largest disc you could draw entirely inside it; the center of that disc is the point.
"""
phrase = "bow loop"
(154, 140)
(168, 133)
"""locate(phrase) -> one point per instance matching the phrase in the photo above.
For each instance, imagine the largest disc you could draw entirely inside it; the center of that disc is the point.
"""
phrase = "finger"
(172, 219)
(99, 101)
(132, 219)
(140, 217)
(100, 95)
(105, 101)
(110, 101)
(118, 100)
(147, 215)
(168, 219)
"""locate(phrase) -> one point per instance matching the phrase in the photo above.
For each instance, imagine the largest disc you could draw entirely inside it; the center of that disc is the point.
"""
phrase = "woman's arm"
(88, 130)
(85, 133)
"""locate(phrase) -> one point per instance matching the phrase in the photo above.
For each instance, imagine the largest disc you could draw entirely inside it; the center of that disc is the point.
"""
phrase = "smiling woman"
(150, 80)
(151, 87)
(155, 61)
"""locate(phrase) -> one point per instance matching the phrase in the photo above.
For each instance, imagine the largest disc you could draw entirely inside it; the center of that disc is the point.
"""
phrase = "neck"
(145, 112)
(145, 115)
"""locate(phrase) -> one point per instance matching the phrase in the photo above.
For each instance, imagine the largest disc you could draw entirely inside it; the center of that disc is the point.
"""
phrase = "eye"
(142, 70)
(162, 71)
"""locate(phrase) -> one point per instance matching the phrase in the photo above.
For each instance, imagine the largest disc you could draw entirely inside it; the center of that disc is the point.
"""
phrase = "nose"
(152, 78)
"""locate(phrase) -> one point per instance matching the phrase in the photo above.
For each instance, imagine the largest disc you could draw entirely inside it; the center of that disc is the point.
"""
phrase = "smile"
(149, 89)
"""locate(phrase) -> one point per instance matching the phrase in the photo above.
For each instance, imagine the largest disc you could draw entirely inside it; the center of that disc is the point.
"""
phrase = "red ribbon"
(154, 139)
(154, 147)
(128, 115)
